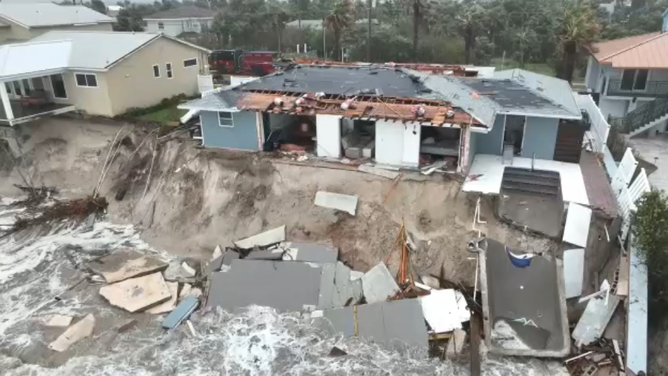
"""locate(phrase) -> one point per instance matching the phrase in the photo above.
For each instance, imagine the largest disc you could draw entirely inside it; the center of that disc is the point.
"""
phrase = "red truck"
(250, 63)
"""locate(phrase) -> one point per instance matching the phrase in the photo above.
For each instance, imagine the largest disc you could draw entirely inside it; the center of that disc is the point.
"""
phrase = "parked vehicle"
(251, 63)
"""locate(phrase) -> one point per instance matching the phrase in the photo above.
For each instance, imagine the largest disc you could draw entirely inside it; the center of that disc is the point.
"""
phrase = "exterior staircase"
(645, 116)
(545, 183)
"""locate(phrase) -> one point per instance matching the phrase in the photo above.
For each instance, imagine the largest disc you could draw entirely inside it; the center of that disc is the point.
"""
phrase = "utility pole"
(368, 31)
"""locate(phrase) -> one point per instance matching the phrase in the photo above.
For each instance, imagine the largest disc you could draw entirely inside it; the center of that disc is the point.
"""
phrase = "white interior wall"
(411, 149)
(328, 135)
(389, 143)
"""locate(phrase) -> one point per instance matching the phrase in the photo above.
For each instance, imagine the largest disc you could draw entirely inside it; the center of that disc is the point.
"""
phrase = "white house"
(98, 73)
(630, 78)
(176, 21)
(21, 22)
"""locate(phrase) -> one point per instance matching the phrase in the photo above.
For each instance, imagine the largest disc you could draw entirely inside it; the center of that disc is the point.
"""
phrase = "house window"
(86, 80)
(161, 26)
(225, 119)
(156, 71)
(634, 79)
(190, 62)
(168, 68)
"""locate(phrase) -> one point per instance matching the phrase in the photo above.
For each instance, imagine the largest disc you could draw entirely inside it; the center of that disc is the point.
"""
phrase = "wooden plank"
(476, 325)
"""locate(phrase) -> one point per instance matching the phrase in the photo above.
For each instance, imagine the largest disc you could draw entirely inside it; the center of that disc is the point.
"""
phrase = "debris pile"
(268, 270)
(75, 209)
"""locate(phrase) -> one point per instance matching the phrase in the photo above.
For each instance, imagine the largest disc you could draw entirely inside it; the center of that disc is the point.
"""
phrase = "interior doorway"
(513, 136)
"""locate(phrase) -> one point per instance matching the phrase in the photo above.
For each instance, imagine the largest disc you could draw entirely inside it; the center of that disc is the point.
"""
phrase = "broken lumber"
(124, 264)
(74, 334)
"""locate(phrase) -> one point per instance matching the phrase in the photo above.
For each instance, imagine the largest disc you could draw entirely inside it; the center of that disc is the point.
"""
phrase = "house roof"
(379, 92)
(186, 11)
(98, 50)
(514, 92)
(317, 24)
(341, 80)
(22, 59)
(49, 14)
(647, 51)
(554, 89)
(452, 89)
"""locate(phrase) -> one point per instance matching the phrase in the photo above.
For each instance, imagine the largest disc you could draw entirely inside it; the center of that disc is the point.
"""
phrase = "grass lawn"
(164, 116)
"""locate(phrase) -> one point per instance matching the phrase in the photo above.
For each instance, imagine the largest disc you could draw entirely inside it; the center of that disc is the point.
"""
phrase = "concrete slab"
(574, 260)
(126, 263)
(402, 322)
(578, 219)
(344, 203)
(137, 294)
(396, 324)
(274, 254)
(336, 288)
(486, 174)
(310, 252)
(378, 284)
(443, 311)
(594, 320)
(327, 287)
(57, 321)
(342, 320)
(73, 334)
(527, 303)
(168, 305)
(534, 212)
(266, 238)
(285, 286)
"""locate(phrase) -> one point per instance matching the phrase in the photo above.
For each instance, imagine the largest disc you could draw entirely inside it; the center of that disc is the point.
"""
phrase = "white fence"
(626, 189)
(598, 134)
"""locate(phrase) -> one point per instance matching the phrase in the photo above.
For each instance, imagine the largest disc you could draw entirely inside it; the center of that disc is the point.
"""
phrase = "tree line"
(553, 33)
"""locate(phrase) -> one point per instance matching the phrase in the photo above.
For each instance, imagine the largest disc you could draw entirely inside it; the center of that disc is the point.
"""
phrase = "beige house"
(97, 73)
(20, 22)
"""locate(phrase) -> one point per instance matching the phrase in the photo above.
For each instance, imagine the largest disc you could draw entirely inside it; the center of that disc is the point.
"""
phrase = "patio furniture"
(36, 98)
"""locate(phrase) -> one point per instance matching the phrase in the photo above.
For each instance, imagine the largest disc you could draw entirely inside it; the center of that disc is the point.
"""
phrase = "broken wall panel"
(263, 239)
(378, 284)
(578, 219)
(397, 324)
(574, 260)
(594, 319)
(285, 286)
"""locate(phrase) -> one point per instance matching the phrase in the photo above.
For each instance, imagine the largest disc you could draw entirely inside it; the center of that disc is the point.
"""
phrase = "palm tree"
(277, 16)
(341, 18)
(470, 21)
(578, 29)
(417, 9)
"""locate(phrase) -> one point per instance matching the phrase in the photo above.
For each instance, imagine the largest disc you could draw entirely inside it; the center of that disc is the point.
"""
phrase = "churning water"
(39, 264)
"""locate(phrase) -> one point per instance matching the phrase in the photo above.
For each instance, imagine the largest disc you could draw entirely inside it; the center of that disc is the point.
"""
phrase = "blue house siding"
(242, 136)
(540, 137)
(491, 143)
